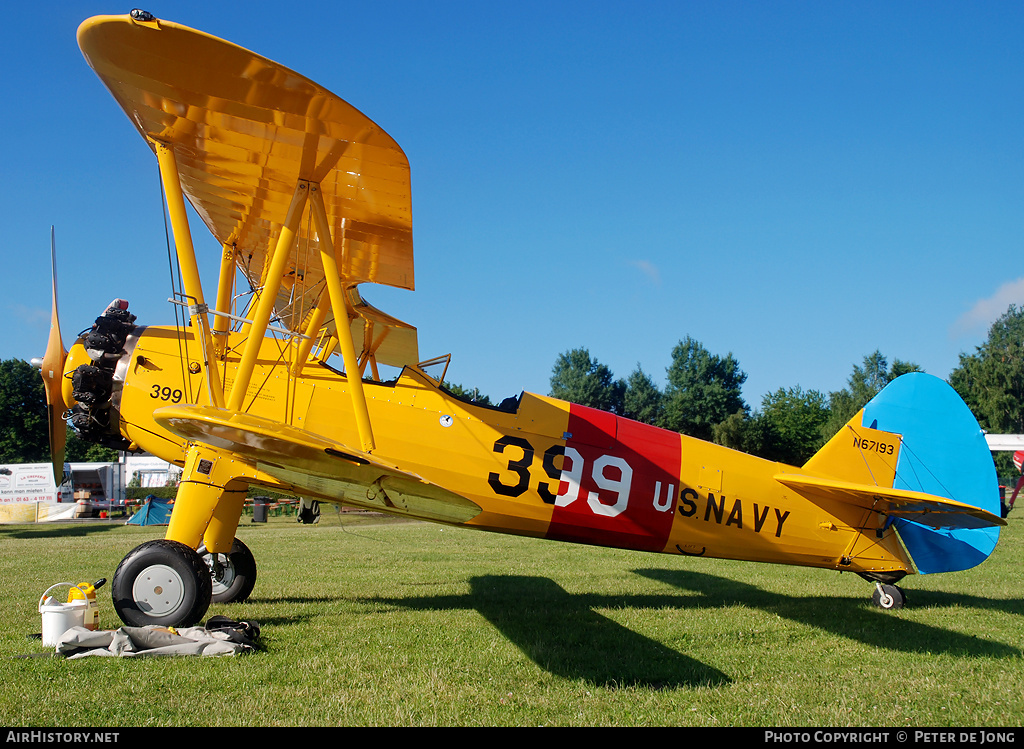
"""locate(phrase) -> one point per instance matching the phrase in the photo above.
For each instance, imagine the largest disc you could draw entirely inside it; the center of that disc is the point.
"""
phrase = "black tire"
(889, 597)
(234, 575)
(161, 582)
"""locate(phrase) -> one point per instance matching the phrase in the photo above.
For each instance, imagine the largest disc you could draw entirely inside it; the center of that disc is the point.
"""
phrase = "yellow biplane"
(308, 199)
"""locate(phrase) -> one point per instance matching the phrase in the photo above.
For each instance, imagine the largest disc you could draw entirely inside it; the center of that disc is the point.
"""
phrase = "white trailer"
(99, 487)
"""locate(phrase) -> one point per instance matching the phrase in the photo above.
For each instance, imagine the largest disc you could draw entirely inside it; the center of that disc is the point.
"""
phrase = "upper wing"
(245, 130)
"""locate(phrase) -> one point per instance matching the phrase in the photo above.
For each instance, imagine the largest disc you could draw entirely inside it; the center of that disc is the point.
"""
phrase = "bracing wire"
(179, 325)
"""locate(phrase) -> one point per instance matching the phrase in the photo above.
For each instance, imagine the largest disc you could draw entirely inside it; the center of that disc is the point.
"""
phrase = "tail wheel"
(888, 597)
(161, 582)
(233, 575)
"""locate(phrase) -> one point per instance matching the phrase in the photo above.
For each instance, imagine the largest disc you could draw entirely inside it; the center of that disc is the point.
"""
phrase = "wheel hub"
(222, 572)
(158, 590)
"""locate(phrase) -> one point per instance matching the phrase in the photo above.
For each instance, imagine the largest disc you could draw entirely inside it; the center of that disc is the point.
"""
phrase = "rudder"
(943, 452)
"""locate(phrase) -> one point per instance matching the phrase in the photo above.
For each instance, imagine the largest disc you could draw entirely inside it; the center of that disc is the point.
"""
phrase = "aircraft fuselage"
(537, 467)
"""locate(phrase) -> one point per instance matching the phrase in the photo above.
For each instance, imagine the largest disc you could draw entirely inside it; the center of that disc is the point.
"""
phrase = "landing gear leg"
(167, 582)
(888, 596)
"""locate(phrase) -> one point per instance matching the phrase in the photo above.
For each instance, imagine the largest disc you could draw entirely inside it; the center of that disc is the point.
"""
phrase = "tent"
(156, 511)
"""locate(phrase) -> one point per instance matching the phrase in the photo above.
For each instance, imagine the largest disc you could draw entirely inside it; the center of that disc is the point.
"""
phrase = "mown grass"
(371, 622)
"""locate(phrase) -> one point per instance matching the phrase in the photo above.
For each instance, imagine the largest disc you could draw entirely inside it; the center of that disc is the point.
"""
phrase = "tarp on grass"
(220, 636)
(156, 511)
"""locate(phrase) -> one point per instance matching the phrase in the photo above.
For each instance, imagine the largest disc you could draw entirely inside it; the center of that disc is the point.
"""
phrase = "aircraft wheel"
(163, 583)
(233, 575)
(888, 597)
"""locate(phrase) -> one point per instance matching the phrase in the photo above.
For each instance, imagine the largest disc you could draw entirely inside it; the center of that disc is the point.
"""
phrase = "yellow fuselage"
(541, 467)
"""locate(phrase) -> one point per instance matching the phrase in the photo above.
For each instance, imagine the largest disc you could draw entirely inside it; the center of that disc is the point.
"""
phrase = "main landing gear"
(233, 574)
(169, 584)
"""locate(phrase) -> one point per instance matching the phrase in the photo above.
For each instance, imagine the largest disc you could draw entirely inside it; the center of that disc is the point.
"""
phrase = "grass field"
(371, 622)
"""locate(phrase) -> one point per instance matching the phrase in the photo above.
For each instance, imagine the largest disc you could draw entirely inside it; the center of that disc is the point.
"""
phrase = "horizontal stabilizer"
(927, 509)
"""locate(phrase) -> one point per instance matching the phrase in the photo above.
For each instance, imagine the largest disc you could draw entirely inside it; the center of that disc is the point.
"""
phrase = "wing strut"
(342, 324)
(225, 287)
(305, 191)
(268, 297)
(315, 321)
(187, 262)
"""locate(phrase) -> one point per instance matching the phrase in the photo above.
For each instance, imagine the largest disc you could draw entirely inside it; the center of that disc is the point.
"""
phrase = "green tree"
(24, 436)
(24, 432)
(737, 432)
(80, 451)
(578, 378)
(864, 384)
(991, 380)
(793, 419)
(787, 428)
(703, 390)
(642, 400)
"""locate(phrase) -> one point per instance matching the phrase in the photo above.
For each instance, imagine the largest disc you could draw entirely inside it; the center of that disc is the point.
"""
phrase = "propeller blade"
(53, 371)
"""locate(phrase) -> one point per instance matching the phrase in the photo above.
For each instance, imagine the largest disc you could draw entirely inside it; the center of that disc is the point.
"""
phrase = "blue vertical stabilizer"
(944, 453)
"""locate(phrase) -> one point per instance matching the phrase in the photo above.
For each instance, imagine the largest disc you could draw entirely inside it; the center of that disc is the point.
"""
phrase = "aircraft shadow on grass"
(851, 618)
(564, 635)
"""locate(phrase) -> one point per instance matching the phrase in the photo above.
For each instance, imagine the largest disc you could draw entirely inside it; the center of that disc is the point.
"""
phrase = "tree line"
(703, 395)
(702, 398)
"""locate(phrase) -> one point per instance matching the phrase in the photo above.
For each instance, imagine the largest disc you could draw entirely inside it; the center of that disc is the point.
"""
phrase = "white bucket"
(59, 617)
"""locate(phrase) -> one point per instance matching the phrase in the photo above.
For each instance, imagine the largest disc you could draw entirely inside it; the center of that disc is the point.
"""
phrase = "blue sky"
(797, 183)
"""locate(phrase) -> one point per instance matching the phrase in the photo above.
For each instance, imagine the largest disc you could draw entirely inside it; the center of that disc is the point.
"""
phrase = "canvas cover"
(220, 636)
